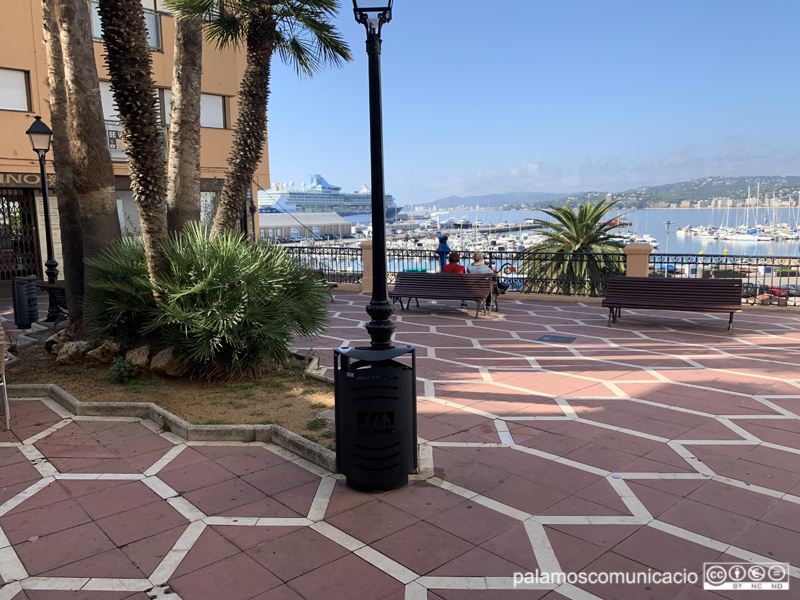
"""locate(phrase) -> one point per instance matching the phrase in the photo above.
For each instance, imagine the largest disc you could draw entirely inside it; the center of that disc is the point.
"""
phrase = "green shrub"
(231, 306)
(121, 301)
(121, 371)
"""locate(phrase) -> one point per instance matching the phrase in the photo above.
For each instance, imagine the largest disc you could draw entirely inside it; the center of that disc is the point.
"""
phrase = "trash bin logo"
(375, 423)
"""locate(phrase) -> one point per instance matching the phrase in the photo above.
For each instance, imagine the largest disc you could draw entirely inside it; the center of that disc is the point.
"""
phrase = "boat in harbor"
(320, 196)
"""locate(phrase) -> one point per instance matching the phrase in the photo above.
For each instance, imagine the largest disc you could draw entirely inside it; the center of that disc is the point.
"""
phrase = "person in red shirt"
(453, 266)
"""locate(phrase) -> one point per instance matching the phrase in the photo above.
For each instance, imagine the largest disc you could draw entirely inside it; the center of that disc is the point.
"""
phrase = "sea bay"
(651, 221)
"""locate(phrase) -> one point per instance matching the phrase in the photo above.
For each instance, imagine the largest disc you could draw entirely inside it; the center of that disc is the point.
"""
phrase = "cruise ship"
(321, 196)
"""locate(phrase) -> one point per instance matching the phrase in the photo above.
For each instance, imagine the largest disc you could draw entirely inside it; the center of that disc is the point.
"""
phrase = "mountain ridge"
(702, 188)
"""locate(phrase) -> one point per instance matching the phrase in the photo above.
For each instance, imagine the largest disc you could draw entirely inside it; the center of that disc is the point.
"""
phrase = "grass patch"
(214, 422)
(76, 371)
(277, 386)
(317, 424)
(319, 405)
(140, 385)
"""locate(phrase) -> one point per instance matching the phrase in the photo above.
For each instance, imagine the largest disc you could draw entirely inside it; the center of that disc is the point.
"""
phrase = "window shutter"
(13, 90)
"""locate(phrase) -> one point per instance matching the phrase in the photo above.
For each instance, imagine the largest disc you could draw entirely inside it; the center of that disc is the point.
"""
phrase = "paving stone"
(297, 553)
(121, 528)
(344, 579)
(237, 577)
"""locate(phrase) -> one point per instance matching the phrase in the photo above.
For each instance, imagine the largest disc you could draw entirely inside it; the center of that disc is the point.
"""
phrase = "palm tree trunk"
(130, 66)
(183, 163)
(69, 210)
(93, 177)
(251, 126)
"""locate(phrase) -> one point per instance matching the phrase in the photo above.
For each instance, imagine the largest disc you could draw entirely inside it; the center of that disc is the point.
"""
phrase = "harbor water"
(651, 221)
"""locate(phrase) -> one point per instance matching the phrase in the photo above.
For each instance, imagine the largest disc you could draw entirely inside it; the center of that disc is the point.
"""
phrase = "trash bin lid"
(374, 355)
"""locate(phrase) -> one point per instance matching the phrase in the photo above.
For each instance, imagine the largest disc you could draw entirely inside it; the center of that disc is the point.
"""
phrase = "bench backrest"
(675, 291)
(475, 284)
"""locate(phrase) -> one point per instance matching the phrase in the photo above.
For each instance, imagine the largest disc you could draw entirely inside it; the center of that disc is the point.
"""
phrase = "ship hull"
(320, 196)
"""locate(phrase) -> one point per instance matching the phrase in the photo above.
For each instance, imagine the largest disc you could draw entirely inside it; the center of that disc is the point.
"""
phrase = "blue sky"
(551, 96)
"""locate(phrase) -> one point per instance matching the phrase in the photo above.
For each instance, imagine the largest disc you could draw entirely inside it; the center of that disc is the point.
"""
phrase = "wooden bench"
(689, 294)
(443, 286)
(58, 298)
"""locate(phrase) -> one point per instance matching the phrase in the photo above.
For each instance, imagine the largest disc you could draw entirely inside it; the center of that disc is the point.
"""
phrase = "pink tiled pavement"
(657, 444)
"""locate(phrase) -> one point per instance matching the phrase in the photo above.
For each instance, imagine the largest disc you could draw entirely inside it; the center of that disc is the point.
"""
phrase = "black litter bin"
(376, 416)
(23, 297)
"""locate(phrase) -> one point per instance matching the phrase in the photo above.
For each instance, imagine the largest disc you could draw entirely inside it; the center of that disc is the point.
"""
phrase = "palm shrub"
(231, 306)
(578, 252)
(120, 303)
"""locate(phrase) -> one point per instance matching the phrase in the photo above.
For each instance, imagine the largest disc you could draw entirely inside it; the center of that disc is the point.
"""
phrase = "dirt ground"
(287, 397)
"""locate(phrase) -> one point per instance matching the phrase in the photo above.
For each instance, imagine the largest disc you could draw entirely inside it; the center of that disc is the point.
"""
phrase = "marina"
(693, 230)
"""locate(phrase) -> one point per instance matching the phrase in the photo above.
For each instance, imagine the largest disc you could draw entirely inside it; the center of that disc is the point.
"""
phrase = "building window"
(151, 20)
(116, 145)
(212, 109)
(14, 90)
(107, 99)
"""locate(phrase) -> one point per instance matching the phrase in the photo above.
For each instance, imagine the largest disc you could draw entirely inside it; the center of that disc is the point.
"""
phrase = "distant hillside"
(705, 188)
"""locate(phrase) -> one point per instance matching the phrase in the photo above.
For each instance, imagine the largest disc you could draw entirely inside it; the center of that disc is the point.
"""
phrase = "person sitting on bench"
(478, 265)
(453, 266)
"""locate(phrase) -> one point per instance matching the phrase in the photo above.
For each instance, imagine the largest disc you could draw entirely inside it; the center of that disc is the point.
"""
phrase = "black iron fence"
(766, 279)
(527, 272)
(340, 265)
(560, 273)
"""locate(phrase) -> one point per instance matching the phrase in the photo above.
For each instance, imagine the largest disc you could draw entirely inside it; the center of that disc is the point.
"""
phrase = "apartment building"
(24, 94)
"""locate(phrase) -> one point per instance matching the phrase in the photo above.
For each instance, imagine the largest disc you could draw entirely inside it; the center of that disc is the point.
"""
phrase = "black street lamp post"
(373, 14)
(376, 401)
(40, 136)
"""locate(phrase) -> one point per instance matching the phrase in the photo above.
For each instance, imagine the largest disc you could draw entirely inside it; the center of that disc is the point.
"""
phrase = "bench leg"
(478, 307)
(610, 316)
(730, 325)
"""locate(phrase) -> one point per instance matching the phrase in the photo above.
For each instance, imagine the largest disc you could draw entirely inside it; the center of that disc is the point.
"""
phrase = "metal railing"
(399, 259)
(340, 265)
(766, 279)
(573, 274)
(560, 273)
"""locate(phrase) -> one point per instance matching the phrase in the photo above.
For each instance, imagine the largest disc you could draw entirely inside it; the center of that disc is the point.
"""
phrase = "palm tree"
(578, 252)
(183, 162)
(129, 66)
(301, 33)
(66, 195)
(85, 184)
